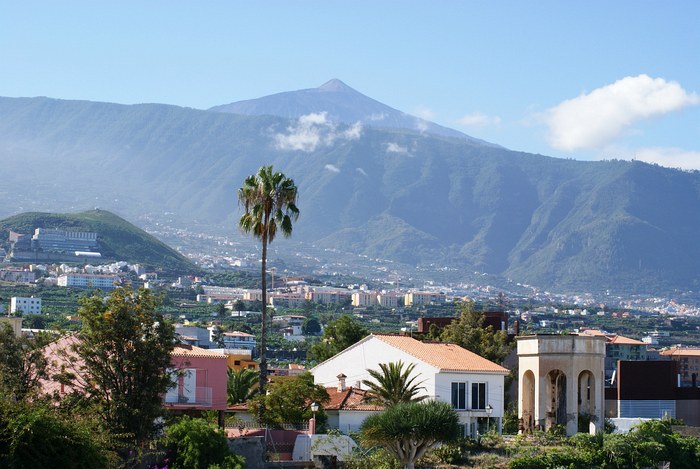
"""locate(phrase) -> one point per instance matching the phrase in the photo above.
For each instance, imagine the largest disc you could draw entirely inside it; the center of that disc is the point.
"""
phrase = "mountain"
(119, 240)
(396, 193)
(341, 104)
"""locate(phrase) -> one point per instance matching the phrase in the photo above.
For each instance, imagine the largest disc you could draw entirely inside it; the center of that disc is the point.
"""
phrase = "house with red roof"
(447, 372)
(199, 375)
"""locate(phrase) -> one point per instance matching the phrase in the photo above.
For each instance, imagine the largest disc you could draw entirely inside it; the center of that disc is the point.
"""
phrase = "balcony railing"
(201, 398)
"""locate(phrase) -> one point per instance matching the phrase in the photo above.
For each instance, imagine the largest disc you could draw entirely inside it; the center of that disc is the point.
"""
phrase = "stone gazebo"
(561, 379)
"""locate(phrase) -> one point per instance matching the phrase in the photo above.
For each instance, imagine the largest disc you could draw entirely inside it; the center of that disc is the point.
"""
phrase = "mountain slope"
(119, 239)
(392, 193)
(341, 103)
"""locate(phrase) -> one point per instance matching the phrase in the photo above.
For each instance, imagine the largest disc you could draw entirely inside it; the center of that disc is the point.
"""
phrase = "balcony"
(200, 398)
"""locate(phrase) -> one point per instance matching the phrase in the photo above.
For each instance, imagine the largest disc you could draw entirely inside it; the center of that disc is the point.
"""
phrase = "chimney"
(341, 382)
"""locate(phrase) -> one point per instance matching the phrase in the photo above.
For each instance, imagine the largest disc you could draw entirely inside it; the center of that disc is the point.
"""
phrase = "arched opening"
(526, 423)
(586, 402)
(556, 399)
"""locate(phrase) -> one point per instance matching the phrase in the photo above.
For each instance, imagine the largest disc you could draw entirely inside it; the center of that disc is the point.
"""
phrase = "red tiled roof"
(185, 350)
(681, 352)
(618, 339)
(350, 399)
(444, 356)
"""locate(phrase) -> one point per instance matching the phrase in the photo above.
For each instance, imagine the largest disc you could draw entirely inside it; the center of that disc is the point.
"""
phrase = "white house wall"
(356, 360)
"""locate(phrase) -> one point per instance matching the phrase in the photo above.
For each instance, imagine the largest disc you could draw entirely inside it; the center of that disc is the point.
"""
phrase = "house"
(688, 360)
(447, 372)
(199, 375)
(25, 305)
(239, 340)
(349, 406)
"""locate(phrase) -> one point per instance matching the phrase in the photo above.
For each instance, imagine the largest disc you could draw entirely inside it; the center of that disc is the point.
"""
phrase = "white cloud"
(312, 131)
(424, 113)
(479, 119)
(332, 168)
(395, 148)
(361, 171)
(597, 118)
(669, 157)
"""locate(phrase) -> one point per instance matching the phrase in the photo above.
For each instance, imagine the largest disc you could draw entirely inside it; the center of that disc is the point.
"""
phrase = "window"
(478, 395)
(459, 395)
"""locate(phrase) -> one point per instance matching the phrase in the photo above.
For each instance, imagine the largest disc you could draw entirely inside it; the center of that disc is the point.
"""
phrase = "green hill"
(119, 239)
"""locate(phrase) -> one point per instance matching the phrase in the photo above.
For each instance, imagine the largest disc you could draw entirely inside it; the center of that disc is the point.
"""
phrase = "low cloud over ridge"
(597, 118)
(313, 131)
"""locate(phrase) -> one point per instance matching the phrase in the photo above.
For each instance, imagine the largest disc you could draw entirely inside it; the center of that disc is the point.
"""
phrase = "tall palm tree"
(241, 385)
(393, 385)
(269, 202)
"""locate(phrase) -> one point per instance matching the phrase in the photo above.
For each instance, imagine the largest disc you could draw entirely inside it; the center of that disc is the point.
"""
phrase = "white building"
(447, 372)
(104, 282)
(240, 340)
(24, 305)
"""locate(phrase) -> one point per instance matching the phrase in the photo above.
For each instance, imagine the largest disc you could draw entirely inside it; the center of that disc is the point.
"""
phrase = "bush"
(197, 444)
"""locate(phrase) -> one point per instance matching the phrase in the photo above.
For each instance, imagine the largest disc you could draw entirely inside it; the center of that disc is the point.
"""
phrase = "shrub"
(197, 444)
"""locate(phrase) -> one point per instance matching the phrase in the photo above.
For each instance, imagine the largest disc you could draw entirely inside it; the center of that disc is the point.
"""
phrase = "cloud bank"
(396, 148)
(314, 131)
(597, 118)
(670, 157)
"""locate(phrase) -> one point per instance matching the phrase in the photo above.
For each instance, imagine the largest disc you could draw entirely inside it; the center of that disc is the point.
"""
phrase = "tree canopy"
(392, 384)
(240, 386)
(408, 430)
(468, 332)
(337, 336)
(125, 347)
(22, 364)
(289, 398)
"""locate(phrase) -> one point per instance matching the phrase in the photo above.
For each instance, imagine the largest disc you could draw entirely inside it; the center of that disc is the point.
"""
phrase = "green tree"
(240, 386)
(196, 444)
(269, 204)
(125, 348)
(337, 336)
(468, 332)
(22, 365)
(391, 384)
(37, 434)
(217, 336)
(288, 400)
(311, 326)
(408, 430)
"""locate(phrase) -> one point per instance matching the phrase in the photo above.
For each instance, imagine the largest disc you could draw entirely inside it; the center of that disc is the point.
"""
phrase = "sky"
(570, 79)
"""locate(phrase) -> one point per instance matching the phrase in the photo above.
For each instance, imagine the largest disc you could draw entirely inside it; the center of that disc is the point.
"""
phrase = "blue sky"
(571, 79)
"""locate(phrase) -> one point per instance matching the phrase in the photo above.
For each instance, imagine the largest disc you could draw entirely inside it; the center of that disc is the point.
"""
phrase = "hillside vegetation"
(119, 239)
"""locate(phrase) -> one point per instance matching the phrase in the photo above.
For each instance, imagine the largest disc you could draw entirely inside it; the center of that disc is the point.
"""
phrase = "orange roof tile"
(184, 350)
(444, 356)
(681, 352)
(618, 339)
(350, 399)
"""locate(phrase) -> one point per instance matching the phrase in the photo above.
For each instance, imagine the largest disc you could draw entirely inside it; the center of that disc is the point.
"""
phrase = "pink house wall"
(212, 373)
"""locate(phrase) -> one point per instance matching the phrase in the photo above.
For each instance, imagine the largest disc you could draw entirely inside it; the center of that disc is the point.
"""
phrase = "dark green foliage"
(337, 336)
(119, 239)
(241, 385)
(125, 346)
(408, 430)
(467, 332)
(288, 400)
(392, 384)
(22, 365)
(39, 436)
(197, 444)
(311, 326)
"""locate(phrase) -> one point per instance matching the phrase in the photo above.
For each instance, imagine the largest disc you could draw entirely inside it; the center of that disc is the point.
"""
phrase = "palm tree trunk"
(263, 330)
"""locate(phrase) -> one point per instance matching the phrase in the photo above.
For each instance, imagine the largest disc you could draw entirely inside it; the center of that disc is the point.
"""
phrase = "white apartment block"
(104, 282)
(388, 299)
(24, 305)
(423, 298)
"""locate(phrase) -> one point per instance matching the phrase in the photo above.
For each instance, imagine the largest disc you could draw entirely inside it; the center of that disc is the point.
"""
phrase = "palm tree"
(393, 385)
(269, 202)
(240, 386)
(408, 430)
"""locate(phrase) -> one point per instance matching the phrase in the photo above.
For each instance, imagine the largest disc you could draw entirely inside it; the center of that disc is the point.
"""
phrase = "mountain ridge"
(393, 193)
